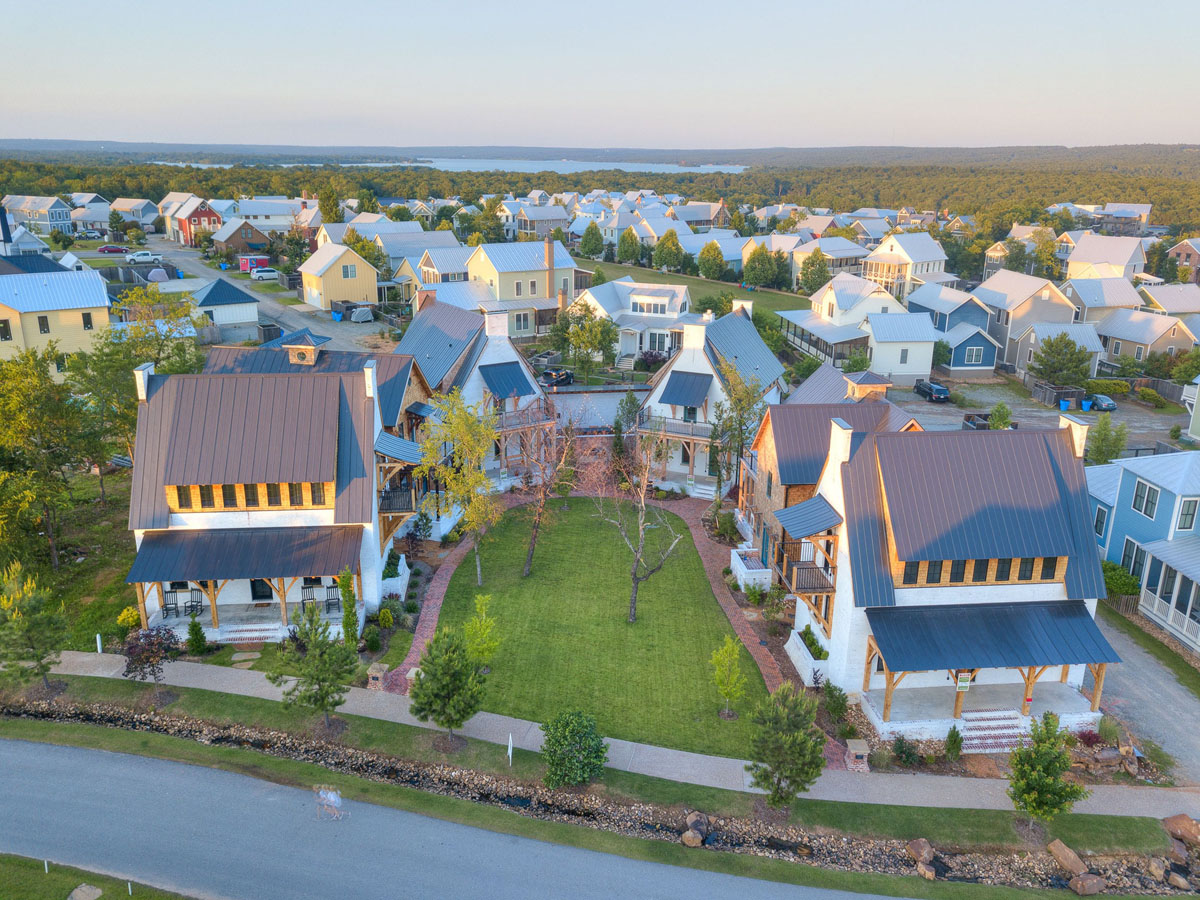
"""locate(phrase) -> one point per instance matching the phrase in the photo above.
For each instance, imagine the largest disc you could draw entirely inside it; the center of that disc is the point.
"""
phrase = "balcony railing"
(396, 500)
(800, 571)
(537, 413)
(670, 426)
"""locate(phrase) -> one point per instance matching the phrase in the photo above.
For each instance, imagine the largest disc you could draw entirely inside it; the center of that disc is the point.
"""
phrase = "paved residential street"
(1146, 695)
(212, 834)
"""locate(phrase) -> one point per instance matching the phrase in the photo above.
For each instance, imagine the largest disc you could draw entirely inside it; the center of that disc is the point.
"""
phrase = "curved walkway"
(661, 762)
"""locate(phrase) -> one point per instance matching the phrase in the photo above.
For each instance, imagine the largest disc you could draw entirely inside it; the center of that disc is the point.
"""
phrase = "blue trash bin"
(1064, 405)
(224, 266)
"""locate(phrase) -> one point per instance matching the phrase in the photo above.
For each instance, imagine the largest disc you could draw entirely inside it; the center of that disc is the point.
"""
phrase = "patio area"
(244, 622)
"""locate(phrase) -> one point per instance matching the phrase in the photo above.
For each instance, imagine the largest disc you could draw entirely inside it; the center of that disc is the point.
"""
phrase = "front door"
(764, 552)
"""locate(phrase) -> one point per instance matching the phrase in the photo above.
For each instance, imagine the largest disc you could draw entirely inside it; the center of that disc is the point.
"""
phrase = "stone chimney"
(141, 380)
(371, 377)
(747, 305)
(549, 258)
(495, 323)
(1078, 429)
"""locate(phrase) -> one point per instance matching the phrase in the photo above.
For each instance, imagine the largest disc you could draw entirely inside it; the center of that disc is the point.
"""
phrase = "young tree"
(598, 277)
(448, 688)
(941, 353)
(668, 253)
(458, 441)
(116, 225)
(552, 473)
(1001, 417)
(786, 751)
(814, 272)
(857, 361)
(592, 242)
(479, 632)
(629, 248)
(735, 419)
(330, 206)
(728, 677)
(1061, 362)
(321, 671)
(574, 751)
(32, 628)
(567, 475)
(711, 261)
(648, 532)
(624, 426)
(760, 267)
(147, 651)
(345, 582)
(1106, 441)
(1035, 783)
(592, 336)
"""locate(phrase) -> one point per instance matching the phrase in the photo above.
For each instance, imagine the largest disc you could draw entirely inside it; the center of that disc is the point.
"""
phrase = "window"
(1145, 499)
(904, 356)
(1137, 352)
(44, 324)
(250, 492)
(87, 321)
(1029, 355)
(312, 581)
(910, 572)
(518, 288)
(521, 321)
(350, 271)
(974, 356)
(958, 571)
(1049, 567)
(317, 490)
(933, 572)
(1003, 569)
(1116, 348)
(566, 289)
(1187, 515)
(183, 496)
(979, 570)
(229, 496)
(207, 501)
(532, 288)
(60, 363)
(1167, 587)
(5, 330)
(769, 479)
(260, 590)
(295, 493)
(1133, 558)
(1025, 569)
(273, 498)
(1101, 520)
(689, 414)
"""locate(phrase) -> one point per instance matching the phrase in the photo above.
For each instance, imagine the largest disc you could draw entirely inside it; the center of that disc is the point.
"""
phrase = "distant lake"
(462, 164)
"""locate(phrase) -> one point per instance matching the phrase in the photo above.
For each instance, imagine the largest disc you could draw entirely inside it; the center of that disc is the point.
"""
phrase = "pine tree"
(1001, 417)
(32, 628)
(787, 749)
(814, 272)
(448, 688)
(1106, 442)
(345, 582)
(629, 248)
(330, 206)
(321, 671)
(1035, 784)
(592, 242)
(479, 631)
(1061, 362)
(728, 677)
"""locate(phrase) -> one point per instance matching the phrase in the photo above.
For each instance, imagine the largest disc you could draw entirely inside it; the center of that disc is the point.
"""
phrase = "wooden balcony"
(674, 427)
(539, 412)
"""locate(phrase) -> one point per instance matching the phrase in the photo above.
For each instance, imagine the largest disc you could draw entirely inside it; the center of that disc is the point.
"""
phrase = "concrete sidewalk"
(660, 762)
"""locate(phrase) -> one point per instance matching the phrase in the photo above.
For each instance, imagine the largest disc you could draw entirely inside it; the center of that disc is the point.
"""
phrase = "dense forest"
(962, 189)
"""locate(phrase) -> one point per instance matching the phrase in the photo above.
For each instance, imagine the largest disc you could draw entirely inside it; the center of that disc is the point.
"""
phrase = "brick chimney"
(549, 258)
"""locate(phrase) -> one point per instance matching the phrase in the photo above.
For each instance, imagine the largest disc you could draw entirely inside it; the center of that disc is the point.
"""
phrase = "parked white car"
(263, 273)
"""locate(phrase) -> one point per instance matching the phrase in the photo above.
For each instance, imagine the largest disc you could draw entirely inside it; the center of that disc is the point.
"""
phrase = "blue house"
(1144, 514)
(963, 321)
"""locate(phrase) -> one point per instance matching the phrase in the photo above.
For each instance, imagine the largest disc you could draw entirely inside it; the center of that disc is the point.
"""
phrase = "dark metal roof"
(295, 337)
(866, 378)
(686, 388)
(988, 636)
(424, 410)
(392, 371)
(354, 497)
(242, 553)
(221, 293)
(506, 379)
(801, 432)
(808, 518)
(826, 384)
(866, 532)
(736, 340)
(29, 264)
(437, 337)
(397, 447)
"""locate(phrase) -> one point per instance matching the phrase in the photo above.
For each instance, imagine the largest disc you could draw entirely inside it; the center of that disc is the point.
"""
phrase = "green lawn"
(1185, 673)
(25, 879)
(773, 301)
(566, 643)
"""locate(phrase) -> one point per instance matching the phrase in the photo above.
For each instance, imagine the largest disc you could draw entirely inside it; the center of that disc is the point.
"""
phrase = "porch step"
(626, 362)
(704, 491)
(992, 731)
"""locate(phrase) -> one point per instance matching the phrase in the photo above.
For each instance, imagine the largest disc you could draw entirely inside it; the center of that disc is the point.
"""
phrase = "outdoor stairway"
(250, 634)
(991, 731)
(626, 362)
(704, 491)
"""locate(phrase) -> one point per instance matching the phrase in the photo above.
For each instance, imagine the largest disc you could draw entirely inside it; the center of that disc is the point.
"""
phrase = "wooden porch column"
(871, 651)
(140, 589)
(1098, 674)
(212, 589)
(691, 458)
(959, 696)
(1066, 670)
(889, 687)
(1030, 676)
(281, 592)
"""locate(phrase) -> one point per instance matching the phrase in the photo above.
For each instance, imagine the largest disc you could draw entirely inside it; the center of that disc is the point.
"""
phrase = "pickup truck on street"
(143, 256)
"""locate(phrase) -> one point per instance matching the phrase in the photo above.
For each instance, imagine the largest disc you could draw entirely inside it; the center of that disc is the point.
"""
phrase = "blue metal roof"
(988, 636)
(506, 379)
(221, 293)
(686, 389)
(294, 337)
(735, 339)
(866, 533)
(424, 410)
(437, 337)
(397, 447)
(810, 517)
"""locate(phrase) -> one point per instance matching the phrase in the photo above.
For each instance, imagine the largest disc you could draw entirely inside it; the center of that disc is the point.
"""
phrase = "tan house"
(66, 307)
(1137, 333)
(336, 273)
(527, 279)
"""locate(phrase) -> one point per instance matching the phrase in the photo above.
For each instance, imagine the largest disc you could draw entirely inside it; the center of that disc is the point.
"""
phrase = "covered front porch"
(245, 585)
(1170, 596)
(809, 333)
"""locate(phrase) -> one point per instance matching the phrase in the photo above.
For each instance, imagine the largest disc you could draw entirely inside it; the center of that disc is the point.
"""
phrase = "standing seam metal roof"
(686, 389)
(437, 337)
(506, 379)
(735, 339)
(807, 518)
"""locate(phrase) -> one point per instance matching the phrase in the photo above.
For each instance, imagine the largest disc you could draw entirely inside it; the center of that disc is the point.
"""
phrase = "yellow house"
(65, 307)
(335, 273)
(527, 278)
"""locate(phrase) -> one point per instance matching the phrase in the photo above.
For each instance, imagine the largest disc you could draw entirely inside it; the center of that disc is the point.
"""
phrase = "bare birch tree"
(551, 474)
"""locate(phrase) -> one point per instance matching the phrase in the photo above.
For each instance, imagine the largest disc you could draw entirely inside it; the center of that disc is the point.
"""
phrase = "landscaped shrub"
(847, 730)
(755, 595)
(393, 604)
(197, 643)
(1151, 397)
(1112, 387)
(958, 399)
(1117, 581)
(410, 605)
(129, 617)
(880, 759)
(392, 567)
(574, 751)
(835, 701)
(1110, 731)
(727, 571)
(905, 752)
(815, 650)
(1089, 738)
(954, 742)
(386, 620)
(371, 638)
(727, 527)
(1176, 432)
(731, 582)
(416, 571)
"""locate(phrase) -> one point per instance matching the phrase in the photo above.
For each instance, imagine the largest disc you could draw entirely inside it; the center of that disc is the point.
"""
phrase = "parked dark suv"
(931, 391)
(556, 378)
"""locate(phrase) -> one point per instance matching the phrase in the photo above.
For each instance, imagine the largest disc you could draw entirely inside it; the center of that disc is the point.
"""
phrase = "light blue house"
(963, 321)
(1144, 514)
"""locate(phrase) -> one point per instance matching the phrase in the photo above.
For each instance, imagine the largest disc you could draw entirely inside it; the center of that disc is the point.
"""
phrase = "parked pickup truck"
(143, 256)
(931, 391)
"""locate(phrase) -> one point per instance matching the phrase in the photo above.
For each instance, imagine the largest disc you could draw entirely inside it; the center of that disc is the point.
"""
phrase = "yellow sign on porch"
(964, 681)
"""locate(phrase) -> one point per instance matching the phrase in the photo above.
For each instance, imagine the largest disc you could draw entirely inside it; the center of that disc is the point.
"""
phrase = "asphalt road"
(212, 834)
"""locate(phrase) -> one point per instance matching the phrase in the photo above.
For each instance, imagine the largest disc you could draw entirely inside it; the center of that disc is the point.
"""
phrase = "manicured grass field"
(25, 879)
(566, 643)
(772, 301)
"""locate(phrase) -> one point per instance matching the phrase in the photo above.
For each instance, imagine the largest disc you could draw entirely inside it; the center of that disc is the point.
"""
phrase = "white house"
(831, 328)
(650, 316)
(905, 261)
(228, 307)
(900, 346)
(1102, 256)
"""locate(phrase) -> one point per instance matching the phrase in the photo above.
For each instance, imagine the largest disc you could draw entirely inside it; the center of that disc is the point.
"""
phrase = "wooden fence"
(1125, 604)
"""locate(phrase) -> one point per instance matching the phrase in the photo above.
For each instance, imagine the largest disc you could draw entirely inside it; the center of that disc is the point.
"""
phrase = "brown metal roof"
(243, 553)
(801, 432)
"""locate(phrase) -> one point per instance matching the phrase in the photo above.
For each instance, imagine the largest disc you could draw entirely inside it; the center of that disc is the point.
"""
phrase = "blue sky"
(647, 74)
